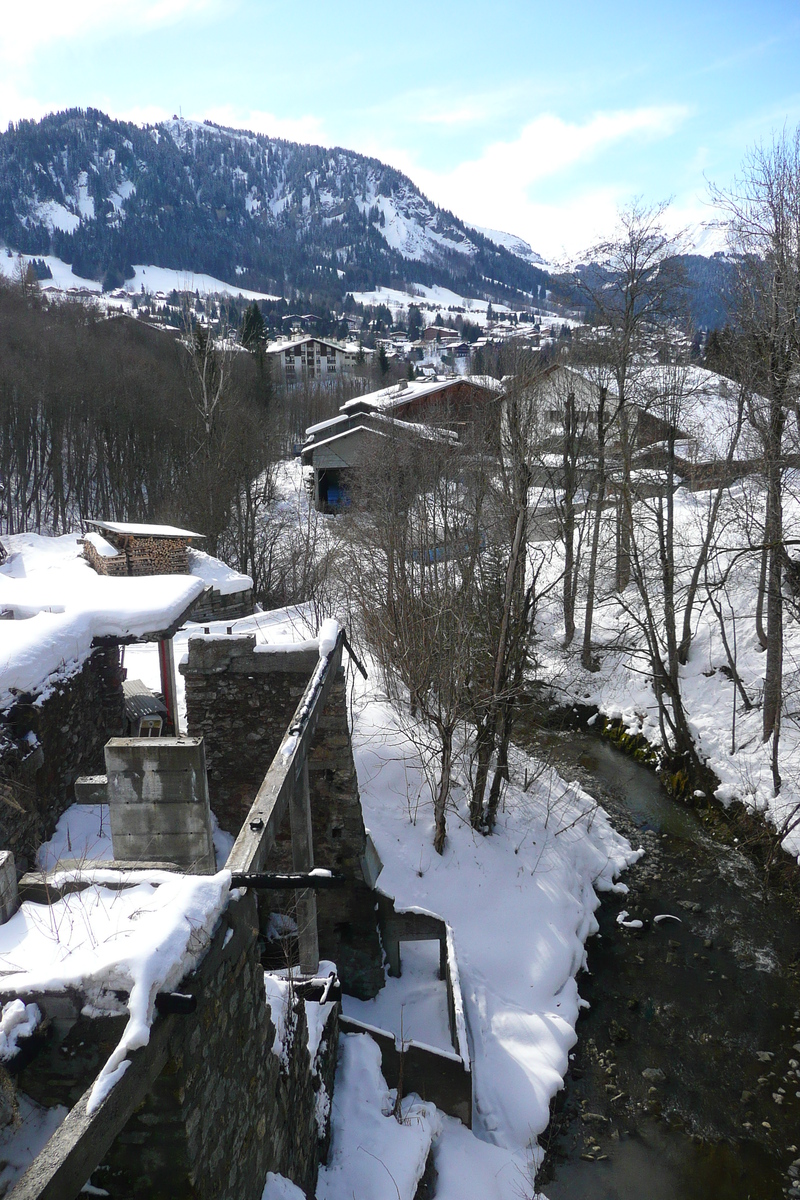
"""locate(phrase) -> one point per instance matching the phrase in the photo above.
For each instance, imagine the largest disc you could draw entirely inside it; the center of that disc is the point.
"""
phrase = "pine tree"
(253, 332)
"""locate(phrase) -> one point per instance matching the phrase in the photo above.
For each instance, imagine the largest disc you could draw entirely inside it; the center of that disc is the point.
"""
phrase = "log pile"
(104, 564)
(156, 556)
(137, 554)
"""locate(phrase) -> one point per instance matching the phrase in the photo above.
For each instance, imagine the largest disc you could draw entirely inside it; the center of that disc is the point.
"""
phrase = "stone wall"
(226, 1109)
(240, 699)
(46, 742)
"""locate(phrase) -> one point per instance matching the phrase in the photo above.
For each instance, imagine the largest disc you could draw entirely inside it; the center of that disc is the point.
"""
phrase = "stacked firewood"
(104, 564)
(157, 556)
(139, 555)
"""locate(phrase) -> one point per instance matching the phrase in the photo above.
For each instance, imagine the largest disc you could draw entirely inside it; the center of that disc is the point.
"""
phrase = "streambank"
(685, 1081)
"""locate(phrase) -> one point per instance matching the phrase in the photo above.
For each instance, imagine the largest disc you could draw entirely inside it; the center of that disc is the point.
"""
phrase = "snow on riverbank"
(521, 904)
(375, 1156)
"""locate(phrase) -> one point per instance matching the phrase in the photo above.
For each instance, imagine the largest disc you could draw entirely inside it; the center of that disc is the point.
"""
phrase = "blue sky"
(535, 118)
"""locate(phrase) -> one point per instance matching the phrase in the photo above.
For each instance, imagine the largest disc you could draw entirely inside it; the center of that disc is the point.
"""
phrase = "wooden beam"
(303, 860)
(169, 690)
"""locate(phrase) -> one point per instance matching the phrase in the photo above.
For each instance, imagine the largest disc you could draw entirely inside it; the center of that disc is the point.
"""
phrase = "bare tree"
(764, 214)
(415, 542)
(632, 290)
(229, 438)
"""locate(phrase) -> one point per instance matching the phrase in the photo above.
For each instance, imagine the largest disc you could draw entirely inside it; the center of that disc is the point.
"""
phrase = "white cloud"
(16, 106)
(502, 189)
(294, 129)
(28, 27)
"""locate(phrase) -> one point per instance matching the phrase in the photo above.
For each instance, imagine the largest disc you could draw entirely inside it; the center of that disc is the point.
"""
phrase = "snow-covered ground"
(521, 905)
(83, 835)
(412, 1007)
(727, 735)
(429, 299)
(375, 1156)
(145, 278)
(512, 243)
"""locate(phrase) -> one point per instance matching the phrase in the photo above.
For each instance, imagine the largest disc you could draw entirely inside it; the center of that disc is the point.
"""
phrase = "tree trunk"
(773, 671)
(761, 632)
(443, 791)
(586, 652)
(501, 769)
(568, 469)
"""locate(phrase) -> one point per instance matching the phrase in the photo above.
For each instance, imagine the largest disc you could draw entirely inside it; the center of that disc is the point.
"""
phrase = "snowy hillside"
(269, 214)
(512, 243)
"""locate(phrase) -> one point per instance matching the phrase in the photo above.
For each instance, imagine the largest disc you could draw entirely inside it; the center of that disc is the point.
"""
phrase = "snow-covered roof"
(217, 574)
(414, 389)
(704, 403)
(384, 426)
(152, 531)
(329, 424)
(296, 343)
(60, 605)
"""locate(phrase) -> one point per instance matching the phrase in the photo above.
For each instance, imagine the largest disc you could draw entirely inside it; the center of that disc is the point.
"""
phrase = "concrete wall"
(432, 1074)
(70, 727)
(240, 700)
(158, 798)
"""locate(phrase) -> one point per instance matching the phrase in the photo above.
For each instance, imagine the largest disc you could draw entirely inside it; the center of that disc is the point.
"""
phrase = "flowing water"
(685, 1081)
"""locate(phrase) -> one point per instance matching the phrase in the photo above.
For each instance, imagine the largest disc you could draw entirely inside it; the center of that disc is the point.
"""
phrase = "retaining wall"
(225, 1109)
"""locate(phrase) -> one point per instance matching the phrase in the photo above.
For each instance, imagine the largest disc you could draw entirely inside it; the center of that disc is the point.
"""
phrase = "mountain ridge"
(276, 216)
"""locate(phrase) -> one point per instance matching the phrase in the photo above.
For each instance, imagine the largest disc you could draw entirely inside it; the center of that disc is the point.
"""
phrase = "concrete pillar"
(303, 860)
(91, 789)
(9, 900)
(158, 798)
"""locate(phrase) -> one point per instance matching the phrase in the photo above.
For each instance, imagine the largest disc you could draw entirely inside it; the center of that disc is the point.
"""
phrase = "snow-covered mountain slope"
(706, 239)
(275, 215)
(512, 243)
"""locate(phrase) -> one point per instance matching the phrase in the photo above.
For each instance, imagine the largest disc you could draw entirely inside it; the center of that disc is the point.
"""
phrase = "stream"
(685, 1080)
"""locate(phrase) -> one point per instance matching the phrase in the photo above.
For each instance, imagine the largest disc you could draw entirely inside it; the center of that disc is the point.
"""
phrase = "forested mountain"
(705, 301)
(710, 288)
(273, 215)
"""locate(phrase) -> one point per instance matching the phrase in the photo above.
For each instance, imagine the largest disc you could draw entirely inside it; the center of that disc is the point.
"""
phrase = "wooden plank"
(257, 836)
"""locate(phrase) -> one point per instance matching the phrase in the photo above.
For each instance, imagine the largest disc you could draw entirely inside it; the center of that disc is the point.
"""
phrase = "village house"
(440, 333)
(697, 409)
(416, 410)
